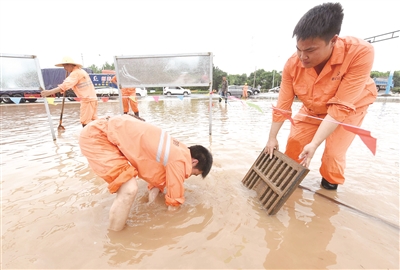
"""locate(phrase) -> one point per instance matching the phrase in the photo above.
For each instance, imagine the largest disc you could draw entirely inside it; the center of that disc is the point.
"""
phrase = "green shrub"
(396, 89)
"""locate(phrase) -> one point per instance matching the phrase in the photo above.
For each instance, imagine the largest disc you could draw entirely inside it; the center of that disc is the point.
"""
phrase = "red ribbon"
(286, 114)
(364, 135)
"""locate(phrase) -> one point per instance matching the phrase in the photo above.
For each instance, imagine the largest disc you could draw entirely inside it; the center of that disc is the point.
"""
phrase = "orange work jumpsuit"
(79, 81)
(343, 89)
(244, 90)
(123, 147)
(126, 100)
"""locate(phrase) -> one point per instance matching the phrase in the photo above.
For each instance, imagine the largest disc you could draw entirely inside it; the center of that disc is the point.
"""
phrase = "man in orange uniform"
(82, 86)
(127, 93)
(244, 90)
(122, 147)
(331, 76)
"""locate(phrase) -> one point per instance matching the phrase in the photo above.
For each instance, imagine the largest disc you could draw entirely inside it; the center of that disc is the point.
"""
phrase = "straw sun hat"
(68, 60)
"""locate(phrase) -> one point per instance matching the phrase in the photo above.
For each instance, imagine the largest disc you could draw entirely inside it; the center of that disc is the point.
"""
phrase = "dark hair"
(323, 21)
(203, 156)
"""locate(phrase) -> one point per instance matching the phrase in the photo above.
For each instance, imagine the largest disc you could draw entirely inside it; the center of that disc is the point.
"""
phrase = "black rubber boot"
(326, 185)
(137, 113)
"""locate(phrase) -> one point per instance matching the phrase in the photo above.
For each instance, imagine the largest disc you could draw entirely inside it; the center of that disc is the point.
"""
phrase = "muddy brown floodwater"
(55, 209)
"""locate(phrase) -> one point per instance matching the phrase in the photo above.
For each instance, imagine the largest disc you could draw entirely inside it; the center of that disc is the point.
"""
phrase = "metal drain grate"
(274, 180)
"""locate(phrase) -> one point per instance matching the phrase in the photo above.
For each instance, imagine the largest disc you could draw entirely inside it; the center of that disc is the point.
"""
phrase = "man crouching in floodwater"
(121, 148)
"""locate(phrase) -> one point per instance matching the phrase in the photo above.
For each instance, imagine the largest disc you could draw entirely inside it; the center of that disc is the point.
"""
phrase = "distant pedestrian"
(224, 90)
(79, 81)
(245, 89)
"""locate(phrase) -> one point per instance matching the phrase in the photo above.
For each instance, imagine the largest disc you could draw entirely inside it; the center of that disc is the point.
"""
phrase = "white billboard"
(164, 70)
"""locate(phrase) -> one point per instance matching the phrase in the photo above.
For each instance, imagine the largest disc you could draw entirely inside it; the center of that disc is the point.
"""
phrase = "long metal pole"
(46, 105)
(211, 92)
(118, 85)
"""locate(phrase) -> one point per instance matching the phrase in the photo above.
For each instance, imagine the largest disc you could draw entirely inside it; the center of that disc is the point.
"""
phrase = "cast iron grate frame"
(274, 180)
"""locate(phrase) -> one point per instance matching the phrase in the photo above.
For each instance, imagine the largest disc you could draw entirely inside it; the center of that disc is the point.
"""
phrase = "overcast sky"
(243, 35)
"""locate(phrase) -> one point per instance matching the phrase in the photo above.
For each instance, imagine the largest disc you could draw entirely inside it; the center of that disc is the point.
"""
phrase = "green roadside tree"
(396, 78)
(217, 77)
(108, 66)
(95, 69)
(379, 74)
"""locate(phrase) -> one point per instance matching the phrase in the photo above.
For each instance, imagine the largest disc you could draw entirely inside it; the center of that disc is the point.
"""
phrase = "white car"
(110, 91)
(141, 92)
(275, 89)
(176, 90)
(237, 90)
(100, 92)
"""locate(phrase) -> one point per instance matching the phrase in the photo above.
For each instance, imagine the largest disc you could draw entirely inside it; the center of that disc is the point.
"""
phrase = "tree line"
(260, 77)
(270, 79)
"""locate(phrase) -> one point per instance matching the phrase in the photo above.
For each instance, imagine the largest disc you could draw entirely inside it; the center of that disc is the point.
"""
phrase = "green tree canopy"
(396, 78)
(105, 66)
(217, 77)
(379, 74)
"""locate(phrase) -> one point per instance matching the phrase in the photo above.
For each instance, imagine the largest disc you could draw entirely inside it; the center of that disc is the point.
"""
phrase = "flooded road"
(55, 209)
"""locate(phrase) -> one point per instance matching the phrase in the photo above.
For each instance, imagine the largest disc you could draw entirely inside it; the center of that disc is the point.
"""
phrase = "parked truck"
(381, 83)
(30, 95)
(51, 78)
(55, 76)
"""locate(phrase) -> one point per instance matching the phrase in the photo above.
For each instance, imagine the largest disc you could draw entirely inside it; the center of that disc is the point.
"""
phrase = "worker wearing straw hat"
(79, 81)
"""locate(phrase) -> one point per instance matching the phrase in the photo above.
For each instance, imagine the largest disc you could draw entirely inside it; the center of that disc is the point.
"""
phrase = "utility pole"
(83, 65)
(273, 75)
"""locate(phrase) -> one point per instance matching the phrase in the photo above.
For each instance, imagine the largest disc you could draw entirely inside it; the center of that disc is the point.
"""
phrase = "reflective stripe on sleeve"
(167, 149)
(160, 146)
(84, 84)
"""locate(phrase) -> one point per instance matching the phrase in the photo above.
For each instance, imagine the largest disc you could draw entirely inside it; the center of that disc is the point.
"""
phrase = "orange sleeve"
(114, 80)
(69, 82)
(353, 84)
(286, 93)
(175, 173)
